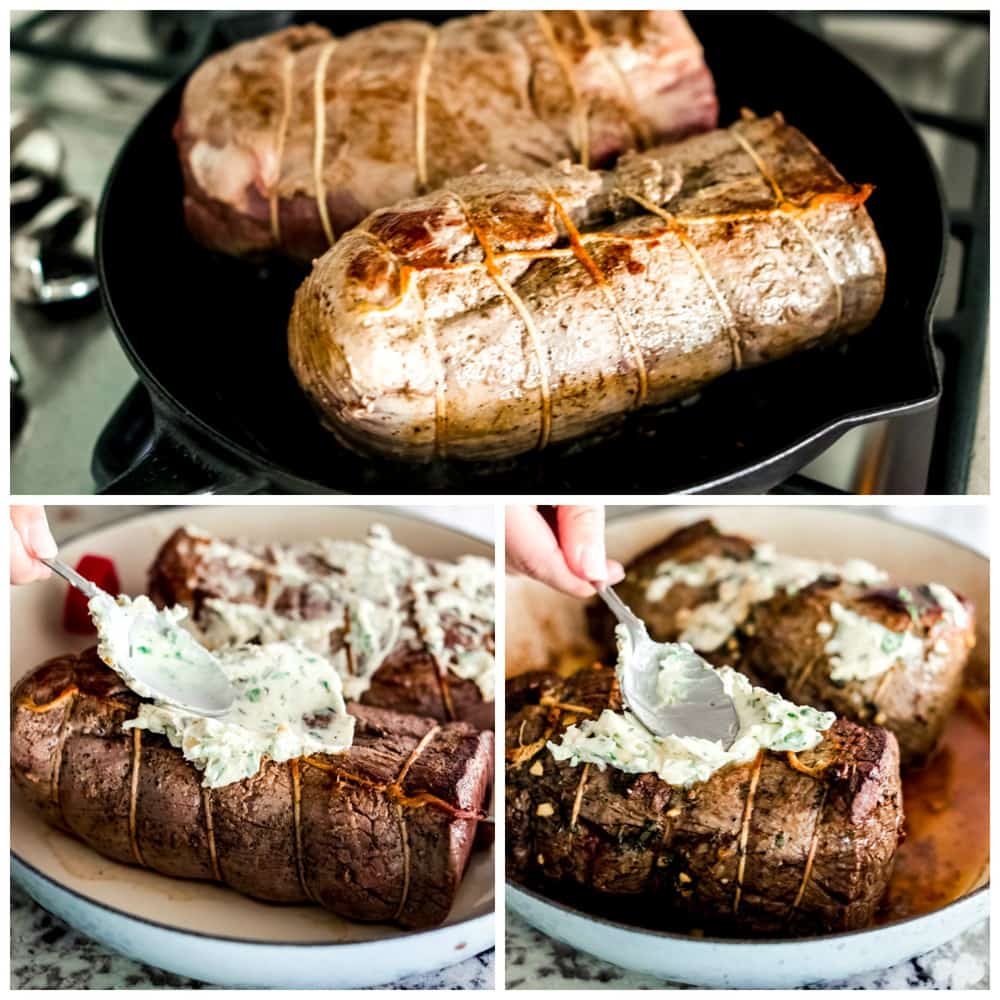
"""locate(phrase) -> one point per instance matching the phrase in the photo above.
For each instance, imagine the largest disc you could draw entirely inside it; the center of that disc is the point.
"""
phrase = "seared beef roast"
(193, 569)
(786, 845)
(781, 648)
(381, 832)
(511, 310)
(288, 140)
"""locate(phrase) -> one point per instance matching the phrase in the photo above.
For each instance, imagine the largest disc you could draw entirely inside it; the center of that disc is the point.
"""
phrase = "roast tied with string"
(787, 844)
(509, 310)
(288, 140)
(835, 636)
(299, 831)
(404, 632)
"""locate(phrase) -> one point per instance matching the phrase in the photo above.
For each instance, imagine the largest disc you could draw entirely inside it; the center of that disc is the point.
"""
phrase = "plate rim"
(710, 941)
(228, 939)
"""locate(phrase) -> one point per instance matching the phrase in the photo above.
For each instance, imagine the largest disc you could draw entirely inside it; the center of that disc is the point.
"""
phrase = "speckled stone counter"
(45, 953)
(535, 961)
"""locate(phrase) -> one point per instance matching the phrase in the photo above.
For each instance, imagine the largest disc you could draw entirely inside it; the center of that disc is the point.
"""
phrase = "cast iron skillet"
(206, 334)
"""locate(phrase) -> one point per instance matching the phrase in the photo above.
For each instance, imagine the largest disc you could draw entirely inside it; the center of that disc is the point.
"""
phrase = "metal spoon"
(212, 696)
(706, 711)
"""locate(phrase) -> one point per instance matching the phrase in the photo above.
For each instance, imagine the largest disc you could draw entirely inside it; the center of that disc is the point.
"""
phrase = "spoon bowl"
(688, 700)
(194, 681)
(165, 661)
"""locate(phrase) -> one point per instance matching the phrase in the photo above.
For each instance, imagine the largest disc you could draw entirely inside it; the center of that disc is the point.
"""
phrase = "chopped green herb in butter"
(289, 704)
(377, 592)
(766, 721)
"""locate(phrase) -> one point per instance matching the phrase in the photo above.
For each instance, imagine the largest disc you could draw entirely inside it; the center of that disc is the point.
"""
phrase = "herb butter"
(289, 703)
(743, 583)
(376, 592)
(766, 721)
(860, 648)
(288, 700)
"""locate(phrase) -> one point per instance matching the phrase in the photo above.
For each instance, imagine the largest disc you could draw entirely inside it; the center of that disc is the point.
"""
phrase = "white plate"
(199, 929)
(542, 625)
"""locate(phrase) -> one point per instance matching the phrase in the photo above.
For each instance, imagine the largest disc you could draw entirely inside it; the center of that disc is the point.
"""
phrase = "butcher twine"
(523, 752)
(732, 332)
(631, 105)
(283, 119)
(790, 210)
(534, 335)
(420, 105)
(319, 116)
(581, 113)
(625, 328)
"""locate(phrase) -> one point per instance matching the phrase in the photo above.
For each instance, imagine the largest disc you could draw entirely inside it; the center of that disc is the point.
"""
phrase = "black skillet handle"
(136, 455)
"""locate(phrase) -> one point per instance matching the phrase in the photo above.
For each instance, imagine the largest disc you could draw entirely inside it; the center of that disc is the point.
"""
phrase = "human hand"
(30, 540)
(560, 546)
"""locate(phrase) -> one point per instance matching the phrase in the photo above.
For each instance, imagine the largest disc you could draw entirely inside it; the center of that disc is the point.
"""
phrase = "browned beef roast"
(780, 648)
(512, 310)
(381, 832)
(188, 570)
(288, 140)
(786, 845)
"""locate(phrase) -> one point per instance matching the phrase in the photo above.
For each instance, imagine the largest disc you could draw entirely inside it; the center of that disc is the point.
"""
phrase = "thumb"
(33, 528)
(581, 538)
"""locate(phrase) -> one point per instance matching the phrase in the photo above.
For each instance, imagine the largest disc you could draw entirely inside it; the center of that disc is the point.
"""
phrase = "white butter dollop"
(367, 587)
(766, 721)
(289, 704)
(860, 648)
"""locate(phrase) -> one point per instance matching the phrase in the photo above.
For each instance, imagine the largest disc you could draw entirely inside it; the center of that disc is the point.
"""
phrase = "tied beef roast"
(288, 140)
(786, 845)
(381, 832)
(511, 310)
(781, 642)
(288, 588)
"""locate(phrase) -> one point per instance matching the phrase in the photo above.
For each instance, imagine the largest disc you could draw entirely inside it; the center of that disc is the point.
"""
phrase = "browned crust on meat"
(286, 835)
(760, 847)
(780, 648)
(397, 90)
(409, 680)
(514, 310)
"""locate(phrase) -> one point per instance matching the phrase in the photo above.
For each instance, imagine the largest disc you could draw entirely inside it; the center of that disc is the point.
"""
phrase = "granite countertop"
(46, 953)
(535, 961)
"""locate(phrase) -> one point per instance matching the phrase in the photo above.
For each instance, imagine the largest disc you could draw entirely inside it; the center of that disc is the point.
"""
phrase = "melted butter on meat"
(373, 595)
(741, 584)
(289, 703)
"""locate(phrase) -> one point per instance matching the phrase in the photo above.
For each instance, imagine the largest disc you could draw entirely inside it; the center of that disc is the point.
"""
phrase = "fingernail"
(42, 544)
(616, 572)
(593, 563)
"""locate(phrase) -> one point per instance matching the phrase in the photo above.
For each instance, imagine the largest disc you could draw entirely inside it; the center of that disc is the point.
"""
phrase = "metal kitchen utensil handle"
(619, 608)
(71, 576)
(706, 711)
(175, 695)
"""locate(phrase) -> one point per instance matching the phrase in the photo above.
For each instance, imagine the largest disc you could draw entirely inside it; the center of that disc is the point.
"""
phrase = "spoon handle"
(620, 610)
(71, 576)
